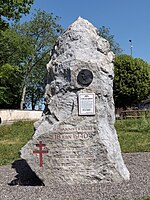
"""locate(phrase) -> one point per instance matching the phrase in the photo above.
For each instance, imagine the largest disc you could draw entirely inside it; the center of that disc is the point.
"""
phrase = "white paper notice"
(87, 104)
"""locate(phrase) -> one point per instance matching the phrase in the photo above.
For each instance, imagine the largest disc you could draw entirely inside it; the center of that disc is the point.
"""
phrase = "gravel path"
(17, 185)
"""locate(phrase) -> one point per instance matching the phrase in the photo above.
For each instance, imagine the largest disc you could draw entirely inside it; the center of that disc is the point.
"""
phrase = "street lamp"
(131, 46)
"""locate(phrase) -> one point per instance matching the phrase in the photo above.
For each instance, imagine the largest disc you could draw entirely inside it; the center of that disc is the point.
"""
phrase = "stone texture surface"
(81, 149)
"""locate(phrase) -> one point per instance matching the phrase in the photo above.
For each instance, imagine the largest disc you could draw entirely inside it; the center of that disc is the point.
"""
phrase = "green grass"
(144, 198)
(12, 138)
(133, 134)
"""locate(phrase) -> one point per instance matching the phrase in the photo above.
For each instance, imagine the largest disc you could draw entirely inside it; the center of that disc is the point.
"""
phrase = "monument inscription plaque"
(77, 125)
(86, 104)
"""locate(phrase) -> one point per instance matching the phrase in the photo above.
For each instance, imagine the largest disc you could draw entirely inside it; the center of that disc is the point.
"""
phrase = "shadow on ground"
(25, 176)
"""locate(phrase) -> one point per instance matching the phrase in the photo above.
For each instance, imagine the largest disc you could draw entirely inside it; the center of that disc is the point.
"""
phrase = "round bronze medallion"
(85, 77)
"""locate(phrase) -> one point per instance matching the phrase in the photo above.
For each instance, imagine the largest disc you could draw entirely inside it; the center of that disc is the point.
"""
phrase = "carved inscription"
(69, 136)
(73, 148)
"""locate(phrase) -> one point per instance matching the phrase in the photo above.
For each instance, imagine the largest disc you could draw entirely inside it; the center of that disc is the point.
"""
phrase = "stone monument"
(75, 140)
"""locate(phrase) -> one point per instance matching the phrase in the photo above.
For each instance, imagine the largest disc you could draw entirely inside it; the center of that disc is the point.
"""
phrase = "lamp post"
(131, 46)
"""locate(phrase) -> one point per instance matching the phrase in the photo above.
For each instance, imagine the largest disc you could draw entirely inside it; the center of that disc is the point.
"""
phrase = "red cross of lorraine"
(40, 151)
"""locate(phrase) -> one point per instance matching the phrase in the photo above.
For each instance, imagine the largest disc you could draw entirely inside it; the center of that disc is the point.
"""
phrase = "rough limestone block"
(78, 148)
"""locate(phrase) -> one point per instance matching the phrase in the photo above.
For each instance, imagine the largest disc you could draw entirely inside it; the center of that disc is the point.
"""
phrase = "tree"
(131, 81)
(35, 83)
(105, 33)
(14, 47)
(43, 31)
(10, 81)
(13, 10)
(14, 51)
(35, 86)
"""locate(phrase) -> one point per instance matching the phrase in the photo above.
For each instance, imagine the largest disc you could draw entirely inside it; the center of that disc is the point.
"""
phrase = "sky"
(126, 19)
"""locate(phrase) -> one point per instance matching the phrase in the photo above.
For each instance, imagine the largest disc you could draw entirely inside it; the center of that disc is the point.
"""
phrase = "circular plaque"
(85, 77)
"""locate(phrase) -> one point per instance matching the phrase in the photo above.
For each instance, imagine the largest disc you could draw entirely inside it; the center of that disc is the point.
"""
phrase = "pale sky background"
(127, 19)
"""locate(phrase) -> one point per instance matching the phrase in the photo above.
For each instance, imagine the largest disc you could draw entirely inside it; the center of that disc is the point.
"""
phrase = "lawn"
(133, 134)
(12, 138)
